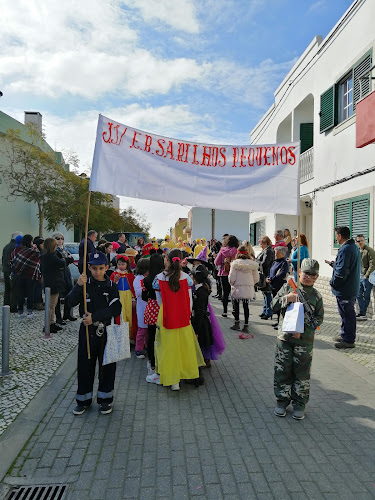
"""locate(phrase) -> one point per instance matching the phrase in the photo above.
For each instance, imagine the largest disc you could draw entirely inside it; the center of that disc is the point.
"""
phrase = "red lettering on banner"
(206, 156)
(292, 161)
(222, 154)
(258, 156)
(169, 150)
(122, 135)
(235, 157)
(161, 146)
(110, 133)
(266, 156)
(148, 143)
(284, 160)
(275, 155)
(112, 141)
(243, 155)
(181, 149)
(251, 157)
(214, 156)
(195, 162)
(186, 152)
(133, 145)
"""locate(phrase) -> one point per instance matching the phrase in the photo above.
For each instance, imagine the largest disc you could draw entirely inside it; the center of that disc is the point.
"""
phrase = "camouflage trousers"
(292, 372)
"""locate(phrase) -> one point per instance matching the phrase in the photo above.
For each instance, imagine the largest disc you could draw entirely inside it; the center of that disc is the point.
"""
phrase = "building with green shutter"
(20, 215)
(316, 104)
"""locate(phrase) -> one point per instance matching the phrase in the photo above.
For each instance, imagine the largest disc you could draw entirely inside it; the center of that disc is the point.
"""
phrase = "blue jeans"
(348, 318)
(267, 309)
(364, 295)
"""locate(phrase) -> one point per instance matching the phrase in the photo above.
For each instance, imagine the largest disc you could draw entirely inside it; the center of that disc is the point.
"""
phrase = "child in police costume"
(103, 304)
(294, 351)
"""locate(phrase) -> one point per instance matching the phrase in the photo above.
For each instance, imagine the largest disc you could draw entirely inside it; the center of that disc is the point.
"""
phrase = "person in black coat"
(91, 238)
(278, 273)
(64, 254)
(200, 317)
(265, 258)
(10, 295)
(53, 277)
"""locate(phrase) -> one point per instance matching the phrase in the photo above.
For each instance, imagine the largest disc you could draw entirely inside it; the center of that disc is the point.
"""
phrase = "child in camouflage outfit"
(294, 351)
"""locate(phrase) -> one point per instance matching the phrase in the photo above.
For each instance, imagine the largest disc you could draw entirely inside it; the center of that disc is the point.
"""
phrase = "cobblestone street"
(221, 440)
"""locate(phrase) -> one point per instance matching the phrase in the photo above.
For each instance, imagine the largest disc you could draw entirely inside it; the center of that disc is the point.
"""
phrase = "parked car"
(72, 248)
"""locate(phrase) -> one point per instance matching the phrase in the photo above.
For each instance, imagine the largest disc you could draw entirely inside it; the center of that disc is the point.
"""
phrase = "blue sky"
(202, 70)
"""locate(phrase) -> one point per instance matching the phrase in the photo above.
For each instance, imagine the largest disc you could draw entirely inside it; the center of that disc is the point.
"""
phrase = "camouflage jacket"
(315, 300)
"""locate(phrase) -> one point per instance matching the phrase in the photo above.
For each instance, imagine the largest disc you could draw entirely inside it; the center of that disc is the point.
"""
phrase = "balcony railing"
(307, 165)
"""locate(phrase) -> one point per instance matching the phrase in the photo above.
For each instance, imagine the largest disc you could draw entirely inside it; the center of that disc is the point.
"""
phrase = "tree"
(30, 170)
(134, 221)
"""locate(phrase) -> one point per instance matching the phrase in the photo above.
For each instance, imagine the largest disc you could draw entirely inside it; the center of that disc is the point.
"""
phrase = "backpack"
(227, 262)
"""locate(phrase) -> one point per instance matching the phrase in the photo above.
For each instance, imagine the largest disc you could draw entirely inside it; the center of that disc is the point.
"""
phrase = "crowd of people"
(162, 292)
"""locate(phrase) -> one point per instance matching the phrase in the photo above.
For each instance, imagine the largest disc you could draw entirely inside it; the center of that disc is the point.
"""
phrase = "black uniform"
(103, 303)
(200, 317)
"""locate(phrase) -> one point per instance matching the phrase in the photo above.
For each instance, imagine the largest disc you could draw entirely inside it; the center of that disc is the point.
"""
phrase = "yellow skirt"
(126, 302)
(177, 353)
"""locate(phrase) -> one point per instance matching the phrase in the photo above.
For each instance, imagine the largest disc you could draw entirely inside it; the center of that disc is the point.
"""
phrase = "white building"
(316, 103)
(207, 223)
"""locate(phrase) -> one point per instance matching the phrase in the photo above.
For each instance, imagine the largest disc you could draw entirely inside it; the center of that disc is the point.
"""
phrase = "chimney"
(34, 117)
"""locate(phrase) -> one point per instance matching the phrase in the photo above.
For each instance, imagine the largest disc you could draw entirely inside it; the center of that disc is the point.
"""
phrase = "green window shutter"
(252, 234)
(360, 216)
(353, 213)
(306, 134)
(328, 109)
(363, 65)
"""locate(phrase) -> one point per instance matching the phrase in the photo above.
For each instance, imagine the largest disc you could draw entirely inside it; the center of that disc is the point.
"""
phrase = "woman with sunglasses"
(64, 254)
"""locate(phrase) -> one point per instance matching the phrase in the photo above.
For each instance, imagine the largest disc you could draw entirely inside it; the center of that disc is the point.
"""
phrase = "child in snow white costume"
(177, 352)
(124, 279)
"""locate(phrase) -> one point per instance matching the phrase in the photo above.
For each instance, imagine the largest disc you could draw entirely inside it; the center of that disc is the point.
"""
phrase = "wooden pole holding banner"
(299, 245)
(85, 271)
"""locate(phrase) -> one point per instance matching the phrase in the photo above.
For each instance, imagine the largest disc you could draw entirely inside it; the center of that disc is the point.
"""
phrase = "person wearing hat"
(155, 244)
(198, 247)
(167, 243)
(294, 350)
(103, 304)
(200, 258)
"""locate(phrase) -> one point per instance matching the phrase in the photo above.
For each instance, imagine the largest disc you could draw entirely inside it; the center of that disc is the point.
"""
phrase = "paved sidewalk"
(219, 441)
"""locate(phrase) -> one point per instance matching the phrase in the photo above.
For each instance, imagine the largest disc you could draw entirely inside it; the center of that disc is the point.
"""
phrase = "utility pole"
(212, 223)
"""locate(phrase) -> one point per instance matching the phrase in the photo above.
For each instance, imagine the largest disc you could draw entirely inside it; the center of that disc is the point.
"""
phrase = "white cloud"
(178, 14)
(317, 5)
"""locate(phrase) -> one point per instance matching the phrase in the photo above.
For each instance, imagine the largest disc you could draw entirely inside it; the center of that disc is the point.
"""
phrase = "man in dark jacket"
(10, 296)
(91, 238)
(122, 241)
(367, 267)
(345, 285)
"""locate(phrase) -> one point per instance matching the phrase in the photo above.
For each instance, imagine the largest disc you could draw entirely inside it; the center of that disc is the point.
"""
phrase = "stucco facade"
(332, 170)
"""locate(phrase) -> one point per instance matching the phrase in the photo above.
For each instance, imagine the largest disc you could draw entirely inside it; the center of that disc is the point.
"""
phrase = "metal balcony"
(307, 165)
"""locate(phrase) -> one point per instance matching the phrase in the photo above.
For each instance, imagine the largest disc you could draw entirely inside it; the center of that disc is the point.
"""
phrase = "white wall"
(226, 221)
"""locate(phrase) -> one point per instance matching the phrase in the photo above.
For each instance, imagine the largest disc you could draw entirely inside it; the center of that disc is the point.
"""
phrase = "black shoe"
(236, 326)
(224, 315)
(60, 321)
(275, 325)
(262, 315)
(105, 408)
(345, 345)
(70, 318)
(361, 317)
(267, 317)
(79, 410)
(53, 328)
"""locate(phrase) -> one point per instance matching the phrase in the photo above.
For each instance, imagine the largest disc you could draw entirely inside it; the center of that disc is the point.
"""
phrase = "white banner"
(138, 164)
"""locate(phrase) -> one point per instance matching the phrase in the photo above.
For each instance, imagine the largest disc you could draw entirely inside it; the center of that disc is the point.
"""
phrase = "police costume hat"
(97, 258)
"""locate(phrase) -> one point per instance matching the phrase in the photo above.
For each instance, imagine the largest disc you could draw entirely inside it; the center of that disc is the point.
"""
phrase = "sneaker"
(61, 322)
(361, 317)
(105, 408)
(79, 409)
(245, 328)
(280, 409)
(30, 315)
(175, 387)
(224, 315)
(298, 413)
(345, 345)
(70, 318)
(139, 354)
(236, 326)
(153, 379)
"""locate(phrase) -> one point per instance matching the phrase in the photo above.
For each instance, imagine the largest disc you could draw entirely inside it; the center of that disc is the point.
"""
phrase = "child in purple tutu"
(203, 320)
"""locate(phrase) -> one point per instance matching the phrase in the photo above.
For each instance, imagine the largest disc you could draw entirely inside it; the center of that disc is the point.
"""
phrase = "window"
(257, 229)
(353, 213)
(338, 102)
(346, 98)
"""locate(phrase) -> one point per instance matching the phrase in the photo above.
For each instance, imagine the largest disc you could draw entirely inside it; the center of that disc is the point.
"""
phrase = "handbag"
(118, 345)
(227, 262)
(294, 318)
(151, 312)
(262, 278)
